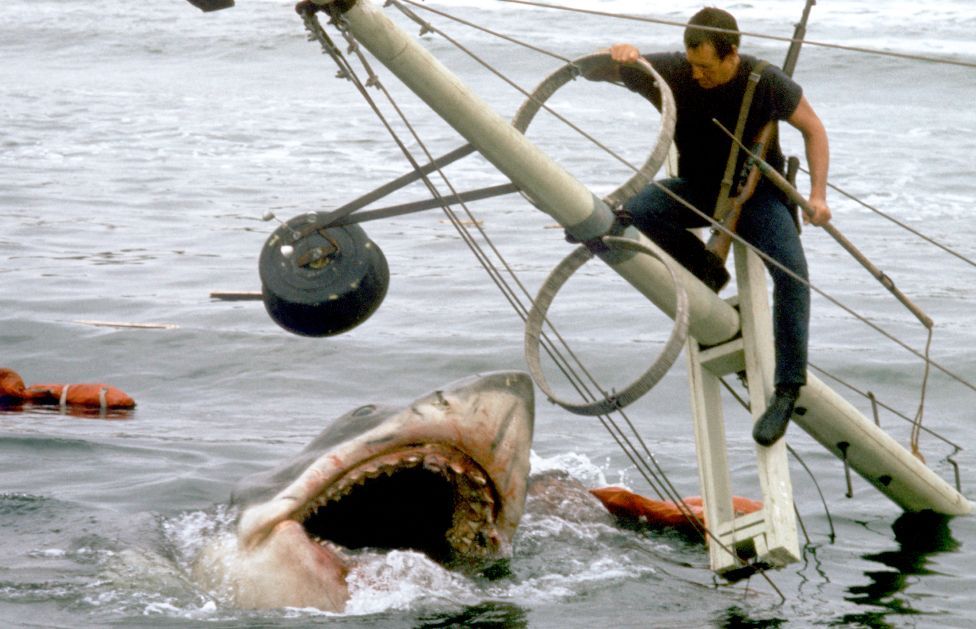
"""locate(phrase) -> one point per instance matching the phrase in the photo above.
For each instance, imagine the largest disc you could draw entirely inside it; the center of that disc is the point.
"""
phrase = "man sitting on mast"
(709, 81)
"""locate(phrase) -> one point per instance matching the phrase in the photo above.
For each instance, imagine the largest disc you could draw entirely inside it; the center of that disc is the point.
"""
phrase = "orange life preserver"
(87, 395)
(662, 513)
(101, 396)
(12, 388)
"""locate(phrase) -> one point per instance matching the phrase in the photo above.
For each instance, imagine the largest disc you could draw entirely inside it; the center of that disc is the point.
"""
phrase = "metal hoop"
(598, 61)
(533, 330)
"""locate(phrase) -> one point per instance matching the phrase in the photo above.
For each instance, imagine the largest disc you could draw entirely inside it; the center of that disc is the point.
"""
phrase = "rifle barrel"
(799, 34)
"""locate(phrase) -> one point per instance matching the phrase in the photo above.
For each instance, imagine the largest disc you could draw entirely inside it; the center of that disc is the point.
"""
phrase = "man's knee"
(664, 205)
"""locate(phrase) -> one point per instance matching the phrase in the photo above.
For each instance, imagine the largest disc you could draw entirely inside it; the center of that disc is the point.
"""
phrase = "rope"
(870, 396)
(806, 42)
(917, 423)
(507, 38)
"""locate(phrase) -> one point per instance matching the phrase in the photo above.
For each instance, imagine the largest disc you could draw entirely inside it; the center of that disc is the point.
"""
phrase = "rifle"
(720, 240)
(799, 33)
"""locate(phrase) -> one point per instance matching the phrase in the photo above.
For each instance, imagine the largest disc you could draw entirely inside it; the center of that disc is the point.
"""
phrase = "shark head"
(446, 475)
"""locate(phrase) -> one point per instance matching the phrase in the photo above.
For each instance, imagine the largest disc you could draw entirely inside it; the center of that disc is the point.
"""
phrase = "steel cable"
(807, 42)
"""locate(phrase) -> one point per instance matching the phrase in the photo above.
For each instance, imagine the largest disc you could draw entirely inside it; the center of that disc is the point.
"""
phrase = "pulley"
(318, 280)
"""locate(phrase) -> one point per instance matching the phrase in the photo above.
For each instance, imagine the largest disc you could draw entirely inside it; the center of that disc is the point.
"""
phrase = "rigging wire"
(894, 411)
(483, 29)
(516, 86)
(806, 42)
(904, 226)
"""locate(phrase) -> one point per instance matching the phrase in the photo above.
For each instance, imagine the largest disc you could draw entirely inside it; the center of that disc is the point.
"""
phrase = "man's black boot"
(772, 425)
(713, 273)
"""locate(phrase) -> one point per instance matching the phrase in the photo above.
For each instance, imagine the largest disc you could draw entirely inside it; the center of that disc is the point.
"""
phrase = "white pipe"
(873, 453)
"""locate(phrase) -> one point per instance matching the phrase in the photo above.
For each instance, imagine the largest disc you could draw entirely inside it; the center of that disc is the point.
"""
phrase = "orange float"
(627, 505)
(12, 390)
(88, 395)
(95, 396)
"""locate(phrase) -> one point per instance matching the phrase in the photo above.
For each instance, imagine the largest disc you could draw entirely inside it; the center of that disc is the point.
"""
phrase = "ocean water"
(141, 146)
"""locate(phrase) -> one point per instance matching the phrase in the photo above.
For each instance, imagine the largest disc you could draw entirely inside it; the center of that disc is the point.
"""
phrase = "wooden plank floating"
(236, 295)
(127, 324)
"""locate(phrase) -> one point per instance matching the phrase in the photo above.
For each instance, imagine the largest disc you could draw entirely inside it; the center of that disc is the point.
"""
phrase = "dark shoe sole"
(772, 425)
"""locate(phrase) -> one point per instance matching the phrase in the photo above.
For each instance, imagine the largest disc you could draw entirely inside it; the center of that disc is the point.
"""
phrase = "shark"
(445, 475)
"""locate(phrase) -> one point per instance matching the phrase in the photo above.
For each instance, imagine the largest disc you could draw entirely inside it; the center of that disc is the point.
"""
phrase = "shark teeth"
(324, 543)
(472, 534)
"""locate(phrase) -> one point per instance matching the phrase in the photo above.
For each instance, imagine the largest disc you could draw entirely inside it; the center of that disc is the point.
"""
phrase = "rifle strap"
(722, 205)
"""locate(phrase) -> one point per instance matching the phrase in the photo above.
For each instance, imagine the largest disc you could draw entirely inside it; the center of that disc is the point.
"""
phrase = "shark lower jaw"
(431, 498)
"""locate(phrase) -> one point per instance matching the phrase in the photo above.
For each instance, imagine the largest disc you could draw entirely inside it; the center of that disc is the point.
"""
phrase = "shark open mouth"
(430, 498)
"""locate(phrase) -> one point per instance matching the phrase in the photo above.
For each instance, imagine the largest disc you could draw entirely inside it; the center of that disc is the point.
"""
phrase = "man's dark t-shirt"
(703, 149)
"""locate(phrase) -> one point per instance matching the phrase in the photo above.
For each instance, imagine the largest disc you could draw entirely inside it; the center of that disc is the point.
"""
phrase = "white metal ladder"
(770, 534)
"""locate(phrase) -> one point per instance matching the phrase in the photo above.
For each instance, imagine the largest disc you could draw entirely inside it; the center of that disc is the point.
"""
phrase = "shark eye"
(364, 411)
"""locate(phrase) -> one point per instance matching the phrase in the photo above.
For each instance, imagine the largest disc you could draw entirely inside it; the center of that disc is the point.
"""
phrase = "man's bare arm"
(805, 120)
(621, 54)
